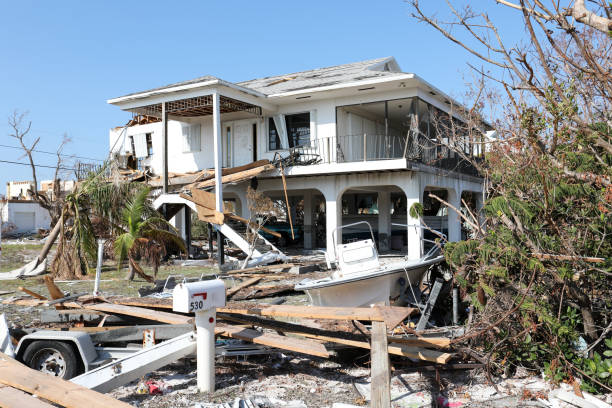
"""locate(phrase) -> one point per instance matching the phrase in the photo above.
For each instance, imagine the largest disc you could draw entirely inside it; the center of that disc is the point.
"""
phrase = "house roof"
(316, 78)
(277, 85)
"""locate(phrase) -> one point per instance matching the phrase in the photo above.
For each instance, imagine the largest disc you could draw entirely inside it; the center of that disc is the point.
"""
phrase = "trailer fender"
(79, 341)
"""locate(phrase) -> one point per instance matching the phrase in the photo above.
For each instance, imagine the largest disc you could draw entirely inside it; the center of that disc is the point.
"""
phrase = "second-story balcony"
(406, 128)
(368, 147)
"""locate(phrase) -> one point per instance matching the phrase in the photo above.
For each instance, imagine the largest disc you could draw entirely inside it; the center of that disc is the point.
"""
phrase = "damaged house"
(358, 143)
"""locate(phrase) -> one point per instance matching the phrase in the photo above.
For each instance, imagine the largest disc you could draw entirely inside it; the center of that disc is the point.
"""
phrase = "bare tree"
(20, 129)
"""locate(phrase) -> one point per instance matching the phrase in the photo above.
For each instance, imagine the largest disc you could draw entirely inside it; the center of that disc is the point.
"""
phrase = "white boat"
(359, 278)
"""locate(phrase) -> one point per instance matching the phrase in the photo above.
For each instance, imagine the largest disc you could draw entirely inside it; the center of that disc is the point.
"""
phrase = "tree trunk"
(131, 270)
(50, 240)
(155, 269)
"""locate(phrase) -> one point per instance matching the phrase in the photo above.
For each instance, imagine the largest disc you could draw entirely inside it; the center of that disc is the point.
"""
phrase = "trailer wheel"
(51, 357)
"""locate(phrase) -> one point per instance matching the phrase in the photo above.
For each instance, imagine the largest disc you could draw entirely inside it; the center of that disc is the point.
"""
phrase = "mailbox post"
(202, 298)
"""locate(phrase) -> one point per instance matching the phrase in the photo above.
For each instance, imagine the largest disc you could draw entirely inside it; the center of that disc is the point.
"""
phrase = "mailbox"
(198, 296)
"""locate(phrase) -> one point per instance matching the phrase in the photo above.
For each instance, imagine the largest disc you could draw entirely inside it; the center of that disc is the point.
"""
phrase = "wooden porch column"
(164, 147)
(218, 152)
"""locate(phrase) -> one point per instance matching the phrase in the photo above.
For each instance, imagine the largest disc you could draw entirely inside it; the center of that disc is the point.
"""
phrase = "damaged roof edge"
(398, 77)
(178, 88)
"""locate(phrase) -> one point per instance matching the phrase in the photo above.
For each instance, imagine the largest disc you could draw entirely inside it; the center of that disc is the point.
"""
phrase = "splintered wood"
(391, 315)
(273, 340)
(54, 389)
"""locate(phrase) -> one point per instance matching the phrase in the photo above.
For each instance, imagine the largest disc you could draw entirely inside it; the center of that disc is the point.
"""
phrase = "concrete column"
(412, 188)
(454, 220)
(218, 154)
(384, 220)
(187, 218)
(308, 236)
(164, 115)
(333, 219)
(178, 222)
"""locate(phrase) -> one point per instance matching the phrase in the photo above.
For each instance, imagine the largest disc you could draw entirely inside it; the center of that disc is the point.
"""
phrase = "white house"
(351, 128)
(23, 217)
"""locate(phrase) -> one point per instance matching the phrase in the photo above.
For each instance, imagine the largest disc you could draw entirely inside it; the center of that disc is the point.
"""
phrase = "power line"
(51, 153)
(38, 165)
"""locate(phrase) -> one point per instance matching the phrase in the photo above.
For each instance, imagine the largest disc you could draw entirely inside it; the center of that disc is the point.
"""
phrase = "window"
(191, 138)
(297, 128)
(228, 147)
(274, 142)
(149, 144)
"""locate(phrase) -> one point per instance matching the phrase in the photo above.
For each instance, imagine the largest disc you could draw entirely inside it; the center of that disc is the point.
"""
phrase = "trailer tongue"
(134, 366)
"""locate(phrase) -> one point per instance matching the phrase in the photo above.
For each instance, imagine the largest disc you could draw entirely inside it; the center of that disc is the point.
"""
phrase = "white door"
(24, 221)
(243, 142)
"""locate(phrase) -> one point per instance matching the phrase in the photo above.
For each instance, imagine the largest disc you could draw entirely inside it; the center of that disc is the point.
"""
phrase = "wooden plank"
(36, 302)
(33, 294)
(242, 285)
(204, 198)
(392, 315)
(436, 342)
(233, 170)
(164, 317)
(379, 369)
(54, 389)
(395, 349)
(273, 340)
(13, 398)
(54, 291)
(237, 177)
(206, 215)
(143, 302)
(420, 353)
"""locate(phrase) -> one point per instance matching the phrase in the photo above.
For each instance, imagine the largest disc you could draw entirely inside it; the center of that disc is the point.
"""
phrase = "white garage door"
(24, 221)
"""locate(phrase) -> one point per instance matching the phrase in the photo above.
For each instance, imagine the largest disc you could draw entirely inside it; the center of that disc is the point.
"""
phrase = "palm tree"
(145, 235)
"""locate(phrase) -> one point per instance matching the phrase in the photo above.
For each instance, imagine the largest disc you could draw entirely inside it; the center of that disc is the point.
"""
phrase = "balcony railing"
(371, 147)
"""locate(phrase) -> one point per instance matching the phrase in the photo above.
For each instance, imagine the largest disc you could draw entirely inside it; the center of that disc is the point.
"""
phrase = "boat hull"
(364, 289)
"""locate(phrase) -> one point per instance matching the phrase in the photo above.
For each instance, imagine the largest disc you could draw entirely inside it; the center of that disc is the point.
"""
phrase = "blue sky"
(61, 60)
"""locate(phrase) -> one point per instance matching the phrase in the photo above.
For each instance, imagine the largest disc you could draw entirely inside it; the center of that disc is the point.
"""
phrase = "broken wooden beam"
(140, 312)
(235, 289)
(54, 389)
(239, 176)
(33, 294)
(54, 291)
(391, 315)
(340, 337)
(273, 340)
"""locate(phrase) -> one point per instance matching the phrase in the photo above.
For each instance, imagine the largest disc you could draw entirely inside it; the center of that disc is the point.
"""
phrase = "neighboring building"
(350, 127)
(66, 186)
(23, 216)
(19, 190)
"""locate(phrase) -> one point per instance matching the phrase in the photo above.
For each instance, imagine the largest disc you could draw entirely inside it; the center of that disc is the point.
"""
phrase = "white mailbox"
(202, 298)
(195, 296)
